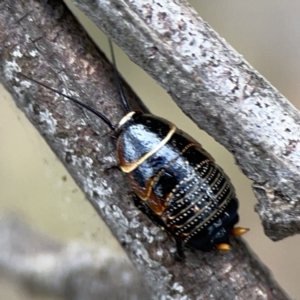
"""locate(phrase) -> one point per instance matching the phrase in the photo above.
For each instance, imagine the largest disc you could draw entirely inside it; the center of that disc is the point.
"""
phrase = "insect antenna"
(117, 79)
(95, 112)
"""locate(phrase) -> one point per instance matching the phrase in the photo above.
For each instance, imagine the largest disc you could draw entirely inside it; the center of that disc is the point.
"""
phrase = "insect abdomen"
(178, 181)
(203, 208)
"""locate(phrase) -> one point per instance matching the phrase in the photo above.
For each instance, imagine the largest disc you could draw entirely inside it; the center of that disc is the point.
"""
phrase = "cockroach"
(176, 183)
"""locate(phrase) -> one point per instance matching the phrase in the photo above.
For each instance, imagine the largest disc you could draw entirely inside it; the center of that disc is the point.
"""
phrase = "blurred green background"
(34, 184)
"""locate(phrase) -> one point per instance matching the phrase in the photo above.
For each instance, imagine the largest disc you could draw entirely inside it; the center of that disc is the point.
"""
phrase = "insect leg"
(142, 206)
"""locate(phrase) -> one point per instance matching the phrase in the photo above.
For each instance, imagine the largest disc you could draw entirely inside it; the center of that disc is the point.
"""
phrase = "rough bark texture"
(220, 91)
(42, 40)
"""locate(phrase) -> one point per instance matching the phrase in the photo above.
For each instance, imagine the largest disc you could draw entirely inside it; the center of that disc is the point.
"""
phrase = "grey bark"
(220, 92)
(44, 41)
(75, 271)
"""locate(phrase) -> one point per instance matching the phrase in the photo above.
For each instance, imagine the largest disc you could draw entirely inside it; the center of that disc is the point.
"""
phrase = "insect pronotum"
(176, 183)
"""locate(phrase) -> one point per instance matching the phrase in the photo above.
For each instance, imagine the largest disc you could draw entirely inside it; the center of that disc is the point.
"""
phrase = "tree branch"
(45, 42)
(76, 271)
(220, 91)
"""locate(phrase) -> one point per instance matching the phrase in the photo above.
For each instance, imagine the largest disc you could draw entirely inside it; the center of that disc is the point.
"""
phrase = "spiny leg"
(179, 256)
(142, 206)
